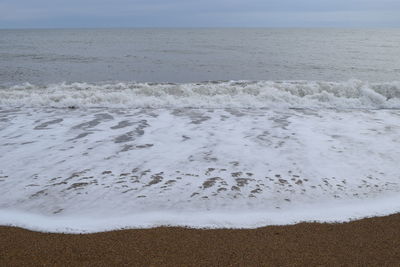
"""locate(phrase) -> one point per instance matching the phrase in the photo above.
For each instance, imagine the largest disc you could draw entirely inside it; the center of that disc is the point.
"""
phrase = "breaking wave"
(226, 94)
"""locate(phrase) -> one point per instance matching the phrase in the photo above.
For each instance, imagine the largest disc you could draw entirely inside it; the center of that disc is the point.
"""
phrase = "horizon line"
(198, 27)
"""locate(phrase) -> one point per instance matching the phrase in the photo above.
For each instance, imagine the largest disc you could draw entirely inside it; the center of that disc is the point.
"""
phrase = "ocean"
(103, 129)
(197, 55)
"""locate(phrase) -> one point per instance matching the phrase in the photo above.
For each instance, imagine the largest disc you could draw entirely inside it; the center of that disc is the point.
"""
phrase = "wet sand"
(372, 242)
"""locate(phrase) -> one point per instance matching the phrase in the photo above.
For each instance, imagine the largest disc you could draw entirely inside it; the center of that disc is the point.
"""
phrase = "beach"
(367, 242)
(199, 147)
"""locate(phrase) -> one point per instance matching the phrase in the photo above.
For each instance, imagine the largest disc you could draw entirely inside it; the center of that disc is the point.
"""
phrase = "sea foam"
(226, 94)
(99, 169)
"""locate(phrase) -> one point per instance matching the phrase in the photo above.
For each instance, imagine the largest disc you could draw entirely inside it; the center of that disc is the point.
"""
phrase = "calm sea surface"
(192, 55)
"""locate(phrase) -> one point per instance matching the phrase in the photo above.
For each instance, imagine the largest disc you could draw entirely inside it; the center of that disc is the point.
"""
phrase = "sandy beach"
(367, 242)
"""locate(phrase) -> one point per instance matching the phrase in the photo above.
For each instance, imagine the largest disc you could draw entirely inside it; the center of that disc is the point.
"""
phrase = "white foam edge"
(332, 212)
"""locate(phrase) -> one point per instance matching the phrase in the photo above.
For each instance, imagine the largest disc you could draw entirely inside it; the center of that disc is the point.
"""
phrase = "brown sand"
(372, 242)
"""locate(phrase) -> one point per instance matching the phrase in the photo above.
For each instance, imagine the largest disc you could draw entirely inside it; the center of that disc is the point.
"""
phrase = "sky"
(198, 13)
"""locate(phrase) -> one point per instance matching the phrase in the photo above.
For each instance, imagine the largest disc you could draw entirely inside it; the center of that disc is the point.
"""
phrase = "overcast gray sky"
(199, 13)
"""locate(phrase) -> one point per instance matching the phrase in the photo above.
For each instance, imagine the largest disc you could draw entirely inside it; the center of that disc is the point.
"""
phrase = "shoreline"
(371, 241)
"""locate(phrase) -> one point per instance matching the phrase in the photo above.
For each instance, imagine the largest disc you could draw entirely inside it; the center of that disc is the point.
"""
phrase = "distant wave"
(224, 94)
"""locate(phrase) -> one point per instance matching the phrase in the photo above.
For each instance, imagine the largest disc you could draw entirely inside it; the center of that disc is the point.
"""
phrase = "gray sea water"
(132, 128)
(193, 55)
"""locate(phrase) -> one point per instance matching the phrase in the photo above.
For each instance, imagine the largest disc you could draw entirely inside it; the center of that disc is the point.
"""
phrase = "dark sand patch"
(210, 182)
(242, 181)
(155, 179)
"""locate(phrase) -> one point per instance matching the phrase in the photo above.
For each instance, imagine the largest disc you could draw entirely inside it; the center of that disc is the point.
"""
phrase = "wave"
(219, 94)
(344, 211)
